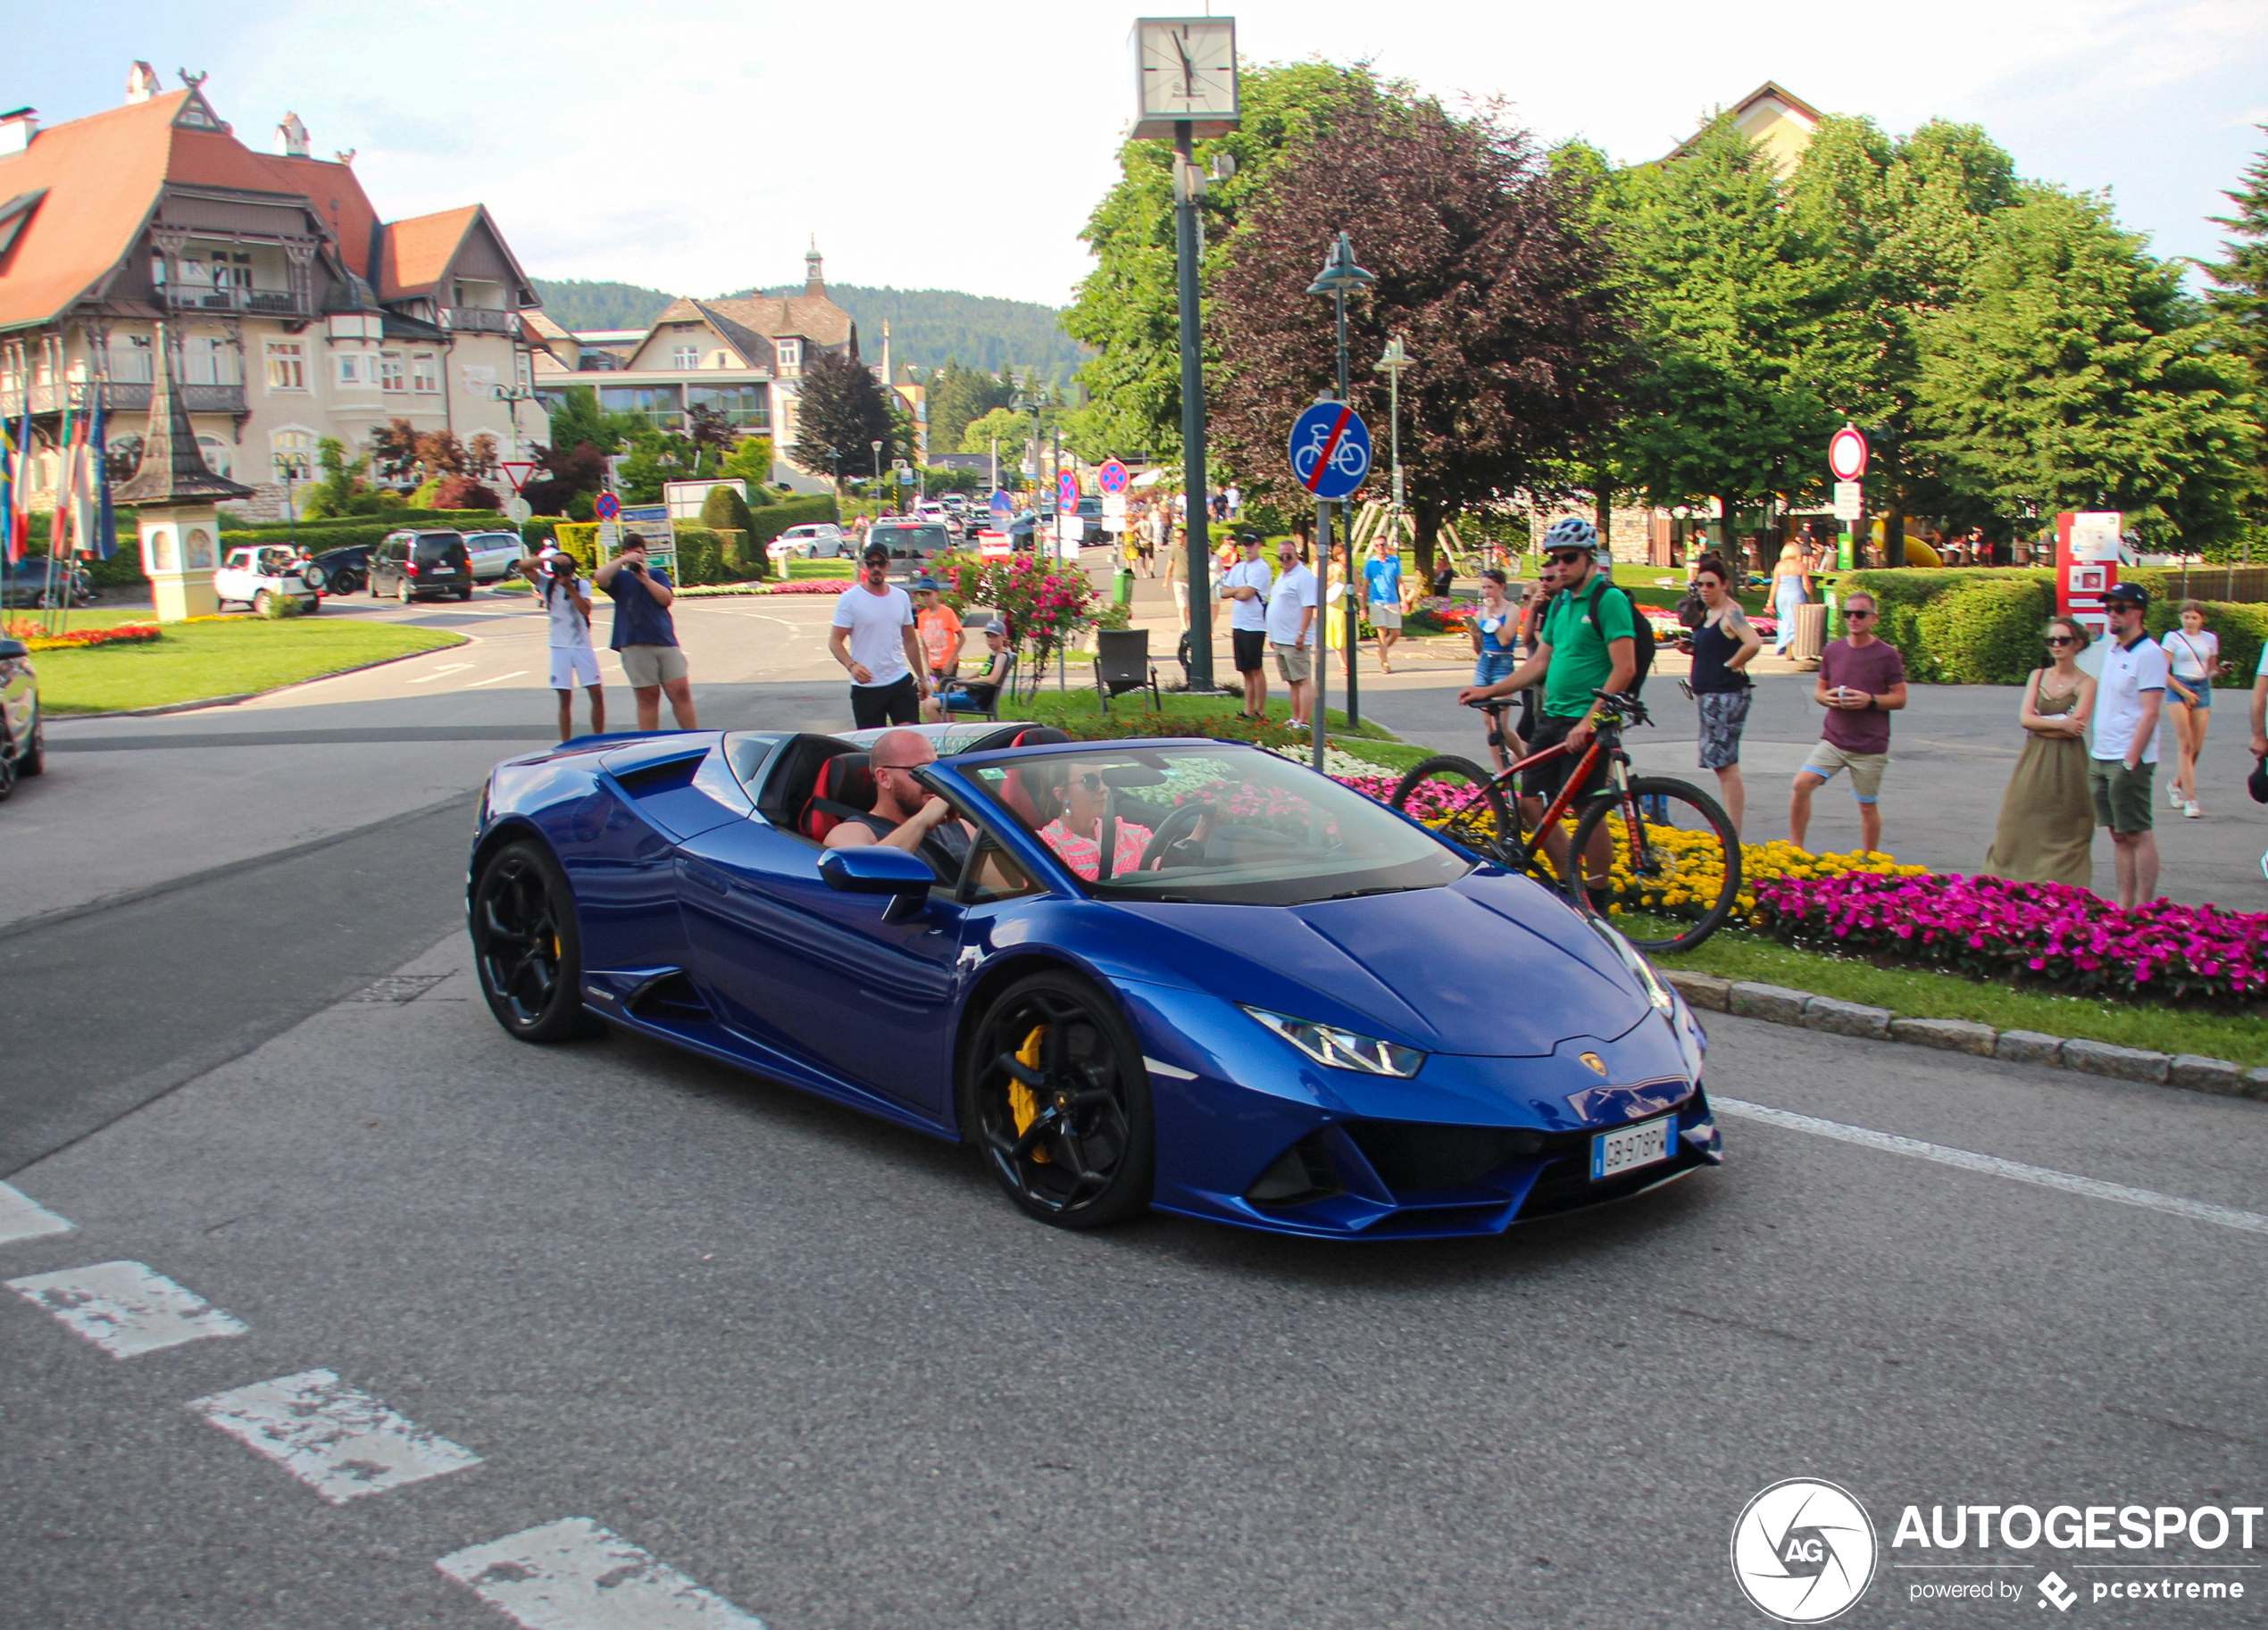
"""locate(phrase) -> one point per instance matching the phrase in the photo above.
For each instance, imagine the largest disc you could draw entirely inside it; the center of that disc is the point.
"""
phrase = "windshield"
(926, 538)
(1211, 822)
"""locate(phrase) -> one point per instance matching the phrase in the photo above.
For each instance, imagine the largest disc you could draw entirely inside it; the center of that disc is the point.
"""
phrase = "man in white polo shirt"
(2123, 764)
(1291, 616)
(874, 637)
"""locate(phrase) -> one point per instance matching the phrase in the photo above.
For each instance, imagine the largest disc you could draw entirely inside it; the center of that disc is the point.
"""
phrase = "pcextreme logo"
(1803, 1550)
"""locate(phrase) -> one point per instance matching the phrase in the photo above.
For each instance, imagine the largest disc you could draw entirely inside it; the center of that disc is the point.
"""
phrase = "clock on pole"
(1185, 71)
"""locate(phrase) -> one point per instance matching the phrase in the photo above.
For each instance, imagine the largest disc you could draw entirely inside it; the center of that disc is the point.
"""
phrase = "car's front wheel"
(260, 603)
(526, 947)
(1055, 1097)
(401, 591)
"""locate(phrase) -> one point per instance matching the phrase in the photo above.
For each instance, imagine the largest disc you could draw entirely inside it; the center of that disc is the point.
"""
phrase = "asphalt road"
(817, 1368)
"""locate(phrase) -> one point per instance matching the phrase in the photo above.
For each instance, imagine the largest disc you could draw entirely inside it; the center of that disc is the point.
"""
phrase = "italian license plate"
(1628, 1148)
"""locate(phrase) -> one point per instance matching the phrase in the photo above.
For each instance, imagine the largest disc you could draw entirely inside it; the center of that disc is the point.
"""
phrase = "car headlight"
(1657, 989)
(1342, 1049)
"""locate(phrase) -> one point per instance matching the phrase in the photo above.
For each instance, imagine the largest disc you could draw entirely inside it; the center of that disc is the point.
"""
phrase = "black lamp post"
(1339, 278)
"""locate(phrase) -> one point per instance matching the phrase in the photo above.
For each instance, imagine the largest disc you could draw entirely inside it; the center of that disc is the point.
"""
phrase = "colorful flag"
(7, 495)
(105, 518)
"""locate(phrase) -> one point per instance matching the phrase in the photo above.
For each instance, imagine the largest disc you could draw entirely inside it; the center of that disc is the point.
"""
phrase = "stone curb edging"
(1781, 1006)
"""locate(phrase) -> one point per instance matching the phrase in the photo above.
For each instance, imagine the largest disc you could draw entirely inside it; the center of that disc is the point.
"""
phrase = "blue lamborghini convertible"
(1183, 974)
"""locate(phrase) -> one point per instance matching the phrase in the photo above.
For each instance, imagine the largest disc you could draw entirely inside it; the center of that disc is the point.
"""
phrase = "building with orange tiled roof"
(292, 312)
(740, 356)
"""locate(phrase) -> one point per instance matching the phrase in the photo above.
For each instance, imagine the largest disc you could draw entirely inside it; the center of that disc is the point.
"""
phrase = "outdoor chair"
(1123, 663)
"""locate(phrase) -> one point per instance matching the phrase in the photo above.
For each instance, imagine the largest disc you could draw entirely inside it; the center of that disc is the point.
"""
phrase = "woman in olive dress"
(2046, 831)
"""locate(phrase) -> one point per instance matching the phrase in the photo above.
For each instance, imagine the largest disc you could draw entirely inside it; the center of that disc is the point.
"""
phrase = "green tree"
(2075, 373)
(960, 395)
(1732, 296)
(841, 412)
(751, 460)
(578, 419)
(2240, 298)
(1127, 307)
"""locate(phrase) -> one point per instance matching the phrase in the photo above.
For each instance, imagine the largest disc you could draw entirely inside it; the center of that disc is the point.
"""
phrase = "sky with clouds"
(697, 146)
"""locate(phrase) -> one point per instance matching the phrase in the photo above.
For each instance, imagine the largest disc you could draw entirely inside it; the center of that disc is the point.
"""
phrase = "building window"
(219, 458)
(133, 358)
(209, 359)
(425, 374)
(791, 355)
(353, 369)
(287, 365)
(685, 356)
(390, 376)
(294, 450)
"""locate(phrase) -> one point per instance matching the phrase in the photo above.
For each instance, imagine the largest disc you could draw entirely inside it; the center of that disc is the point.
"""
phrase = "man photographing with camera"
(644, 636)
(572, 660)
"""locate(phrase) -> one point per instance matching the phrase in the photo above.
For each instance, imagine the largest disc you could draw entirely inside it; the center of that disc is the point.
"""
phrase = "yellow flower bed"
(1694, 875)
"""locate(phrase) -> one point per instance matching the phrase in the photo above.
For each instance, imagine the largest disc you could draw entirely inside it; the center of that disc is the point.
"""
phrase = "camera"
(561, 568)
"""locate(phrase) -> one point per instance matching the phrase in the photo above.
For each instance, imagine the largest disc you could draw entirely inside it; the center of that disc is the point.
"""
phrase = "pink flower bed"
(2046, 932)
(810, 585)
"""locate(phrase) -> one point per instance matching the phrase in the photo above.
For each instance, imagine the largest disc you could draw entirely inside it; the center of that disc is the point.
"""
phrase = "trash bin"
(1123, 591)
(1811, 634)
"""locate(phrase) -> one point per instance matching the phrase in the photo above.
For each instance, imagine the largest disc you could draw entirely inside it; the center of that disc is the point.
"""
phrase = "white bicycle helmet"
(1571, 532)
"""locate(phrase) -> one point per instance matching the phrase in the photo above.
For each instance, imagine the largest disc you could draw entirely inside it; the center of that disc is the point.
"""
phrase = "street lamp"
(1339, 278)
(877, 469)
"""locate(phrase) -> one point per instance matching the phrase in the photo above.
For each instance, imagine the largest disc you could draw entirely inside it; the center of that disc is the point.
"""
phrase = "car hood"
(1491, 966)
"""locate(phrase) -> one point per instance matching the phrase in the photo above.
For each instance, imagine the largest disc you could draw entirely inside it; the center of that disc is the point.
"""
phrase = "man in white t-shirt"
(874, 637)
(2123, 764)
(574, 662)
(1291, 618)
(1244, 586)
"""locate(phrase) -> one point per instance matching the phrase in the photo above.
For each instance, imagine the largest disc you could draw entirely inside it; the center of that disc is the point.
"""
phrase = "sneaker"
(1295, 724)
(2190, 809)
(2173, 796)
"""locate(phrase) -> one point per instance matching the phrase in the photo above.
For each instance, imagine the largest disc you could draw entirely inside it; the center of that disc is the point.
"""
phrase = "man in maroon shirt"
(1862, 682)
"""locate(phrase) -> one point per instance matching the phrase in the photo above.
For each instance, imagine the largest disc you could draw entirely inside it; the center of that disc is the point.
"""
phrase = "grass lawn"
(1921, 994)
(822, 568)
(195, 661)
(1052, 706)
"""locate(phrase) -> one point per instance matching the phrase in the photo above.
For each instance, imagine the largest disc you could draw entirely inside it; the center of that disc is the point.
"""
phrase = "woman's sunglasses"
(1092, 781)
(2060, 639)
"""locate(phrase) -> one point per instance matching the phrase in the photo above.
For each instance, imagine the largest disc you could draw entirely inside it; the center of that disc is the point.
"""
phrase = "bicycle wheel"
(1459, 800)
(1676, 858)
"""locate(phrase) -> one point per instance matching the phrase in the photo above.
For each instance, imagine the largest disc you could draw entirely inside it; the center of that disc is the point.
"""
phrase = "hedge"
(2242, 625)
(701, 551)
(1903, 595)
(769, 521)
(1987, 632)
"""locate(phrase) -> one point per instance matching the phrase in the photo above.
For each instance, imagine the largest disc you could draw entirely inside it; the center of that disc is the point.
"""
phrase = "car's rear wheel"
(1055, 1097)
(34, 761)
(527, 946)
(260, 603)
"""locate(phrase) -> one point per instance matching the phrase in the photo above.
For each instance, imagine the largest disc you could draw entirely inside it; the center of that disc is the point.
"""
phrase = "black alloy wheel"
(1055, 1097)
(527, 946)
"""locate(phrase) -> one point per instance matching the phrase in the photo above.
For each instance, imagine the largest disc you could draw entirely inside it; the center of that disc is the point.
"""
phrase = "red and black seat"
(844, 790)
(1032, 792)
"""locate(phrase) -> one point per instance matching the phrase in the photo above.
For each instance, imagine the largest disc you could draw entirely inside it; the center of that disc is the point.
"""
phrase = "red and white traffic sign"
(516, 472)
(1112, 476)
(1847, 454)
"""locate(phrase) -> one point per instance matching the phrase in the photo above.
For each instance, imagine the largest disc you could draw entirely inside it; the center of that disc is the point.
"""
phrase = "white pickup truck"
(259, 575)
(494, 554)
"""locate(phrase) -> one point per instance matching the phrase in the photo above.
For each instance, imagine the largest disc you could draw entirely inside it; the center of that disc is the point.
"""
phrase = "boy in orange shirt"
(937, 625)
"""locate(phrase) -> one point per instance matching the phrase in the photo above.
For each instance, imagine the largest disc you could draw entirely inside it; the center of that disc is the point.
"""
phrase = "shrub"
(698, 556)
(726, 513)
(579, 539)
(773, 518)
(1986, 632)
(427, 497)
(1902, 593)
(464, 493)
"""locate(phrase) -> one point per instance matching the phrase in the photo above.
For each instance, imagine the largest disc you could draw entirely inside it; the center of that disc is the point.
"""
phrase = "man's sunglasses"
(1569, 558)
(924, 765)
(1857, 614)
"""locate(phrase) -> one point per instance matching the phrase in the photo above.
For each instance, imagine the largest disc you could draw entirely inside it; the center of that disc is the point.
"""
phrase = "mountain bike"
(1672, 852)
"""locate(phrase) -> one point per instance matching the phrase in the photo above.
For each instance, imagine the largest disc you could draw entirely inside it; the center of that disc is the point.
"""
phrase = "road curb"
(225, 702)
(1779, 1005)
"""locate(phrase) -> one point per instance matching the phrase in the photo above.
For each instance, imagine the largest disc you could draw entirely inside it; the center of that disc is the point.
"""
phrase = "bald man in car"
(906, 815)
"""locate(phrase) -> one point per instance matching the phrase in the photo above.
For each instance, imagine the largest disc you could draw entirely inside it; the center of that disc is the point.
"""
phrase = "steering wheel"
(1173, 830)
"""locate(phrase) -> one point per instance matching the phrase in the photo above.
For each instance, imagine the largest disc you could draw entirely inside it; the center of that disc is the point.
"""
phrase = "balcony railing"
(479, 320)
(119, 398)
(259, 302)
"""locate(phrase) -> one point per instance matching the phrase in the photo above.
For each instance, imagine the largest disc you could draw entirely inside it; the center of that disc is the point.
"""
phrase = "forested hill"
(927, 325)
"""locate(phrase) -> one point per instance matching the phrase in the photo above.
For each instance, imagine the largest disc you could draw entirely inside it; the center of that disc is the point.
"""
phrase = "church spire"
(814, 284)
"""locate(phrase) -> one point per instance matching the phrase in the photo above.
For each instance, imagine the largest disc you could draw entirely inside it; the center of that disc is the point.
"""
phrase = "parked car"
(24, 733)
(821, 541)
(30, 581)
(913, 542)
(1090, 511)
(495, 555)
(339, 571)
(258, 575)
(422, 566)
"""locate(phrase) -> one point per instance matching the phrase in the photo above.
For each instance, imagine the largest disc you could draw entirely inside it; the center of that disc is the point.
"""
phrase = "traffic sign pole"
(1193, 491)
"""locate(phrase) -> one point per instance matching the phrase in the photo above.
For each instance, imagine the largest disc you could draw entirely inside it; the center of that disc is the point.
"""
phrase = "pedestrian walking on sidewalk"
(1723, 645)
(2193, 662)
(2129, 694)
(875, 639)
(645, 637)
(1382, 580)
(1495, 627)
(1790, 589)
(2046, 830)
(1862, 682)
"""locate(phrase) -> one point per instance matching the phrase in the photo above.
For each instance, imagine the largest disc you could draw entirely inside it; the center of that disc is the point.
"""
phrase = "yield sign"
(517, 472)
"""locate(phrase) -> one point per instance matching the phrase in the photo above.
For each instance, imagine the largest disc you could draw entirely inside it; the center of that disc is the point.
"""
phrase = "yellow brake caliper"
(1022, 1104)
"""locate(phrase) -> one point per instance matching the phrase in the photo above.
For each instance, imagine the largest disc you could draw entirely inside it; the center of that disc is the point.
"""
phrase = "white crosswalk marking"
(576, 1575)
(124, 1307)
(339, 1442)
(22, 1217)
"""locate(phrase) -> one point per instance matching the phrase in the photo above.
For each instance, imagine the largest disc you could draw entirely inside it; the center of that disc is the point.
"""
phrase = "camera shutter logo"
(1803, 1550)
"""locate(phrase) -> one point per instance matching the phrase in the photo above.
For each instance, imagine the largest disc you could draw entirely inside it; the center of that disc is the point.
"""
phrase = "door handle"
(709, 880)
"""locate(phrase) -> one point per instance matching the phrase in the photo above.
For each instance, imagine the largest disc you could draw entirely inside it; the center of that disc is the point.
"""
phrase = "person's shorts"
(1866, 769)
(2122, 796)
(1385, 616)
(573, 668)
(1494, 667)
(970, 698)
(648, 666)
(1181, 597)
(1251, 648)
(874, 706)
(1544, 780)
(1723, 715)
(2203, 688)
(1296, 663)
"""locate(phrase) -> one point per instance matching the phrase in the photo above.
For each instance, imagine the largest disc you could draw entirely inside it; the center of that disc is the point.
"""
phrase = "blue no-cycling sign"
(1330, 449)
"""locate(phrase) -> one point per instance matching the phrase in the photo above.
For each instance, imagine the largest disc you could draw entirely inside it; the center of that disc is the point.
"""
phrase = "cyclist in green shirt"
(1589, 643)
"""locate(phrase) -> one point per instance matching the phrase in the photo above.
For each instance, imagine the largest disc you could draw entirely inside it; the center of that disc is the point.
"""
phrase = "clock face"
(1188, 67)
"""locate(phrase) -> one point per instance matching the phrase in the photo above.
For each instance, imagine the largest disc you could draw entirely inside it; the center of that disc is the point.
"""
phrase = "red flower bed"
(38, 638)
(2048, 933)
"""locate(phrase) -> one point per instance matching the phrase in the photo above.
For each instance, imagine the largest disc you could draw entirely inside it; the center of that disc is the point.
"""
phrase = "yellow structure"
(1774, 116)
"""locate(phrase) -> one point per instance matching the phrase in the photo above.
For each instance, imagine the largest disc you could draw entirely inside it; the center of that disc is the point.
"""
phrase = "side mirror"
(879, 869)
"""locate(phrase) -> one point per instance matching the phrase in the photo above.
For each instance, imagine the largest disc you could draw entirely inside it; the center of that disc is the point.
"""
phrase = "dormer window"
(791, 354)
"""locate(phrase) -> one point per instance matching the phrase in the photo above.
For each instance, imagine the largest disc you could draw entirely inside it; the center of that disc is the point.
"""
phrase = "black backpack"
(1641, 636)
